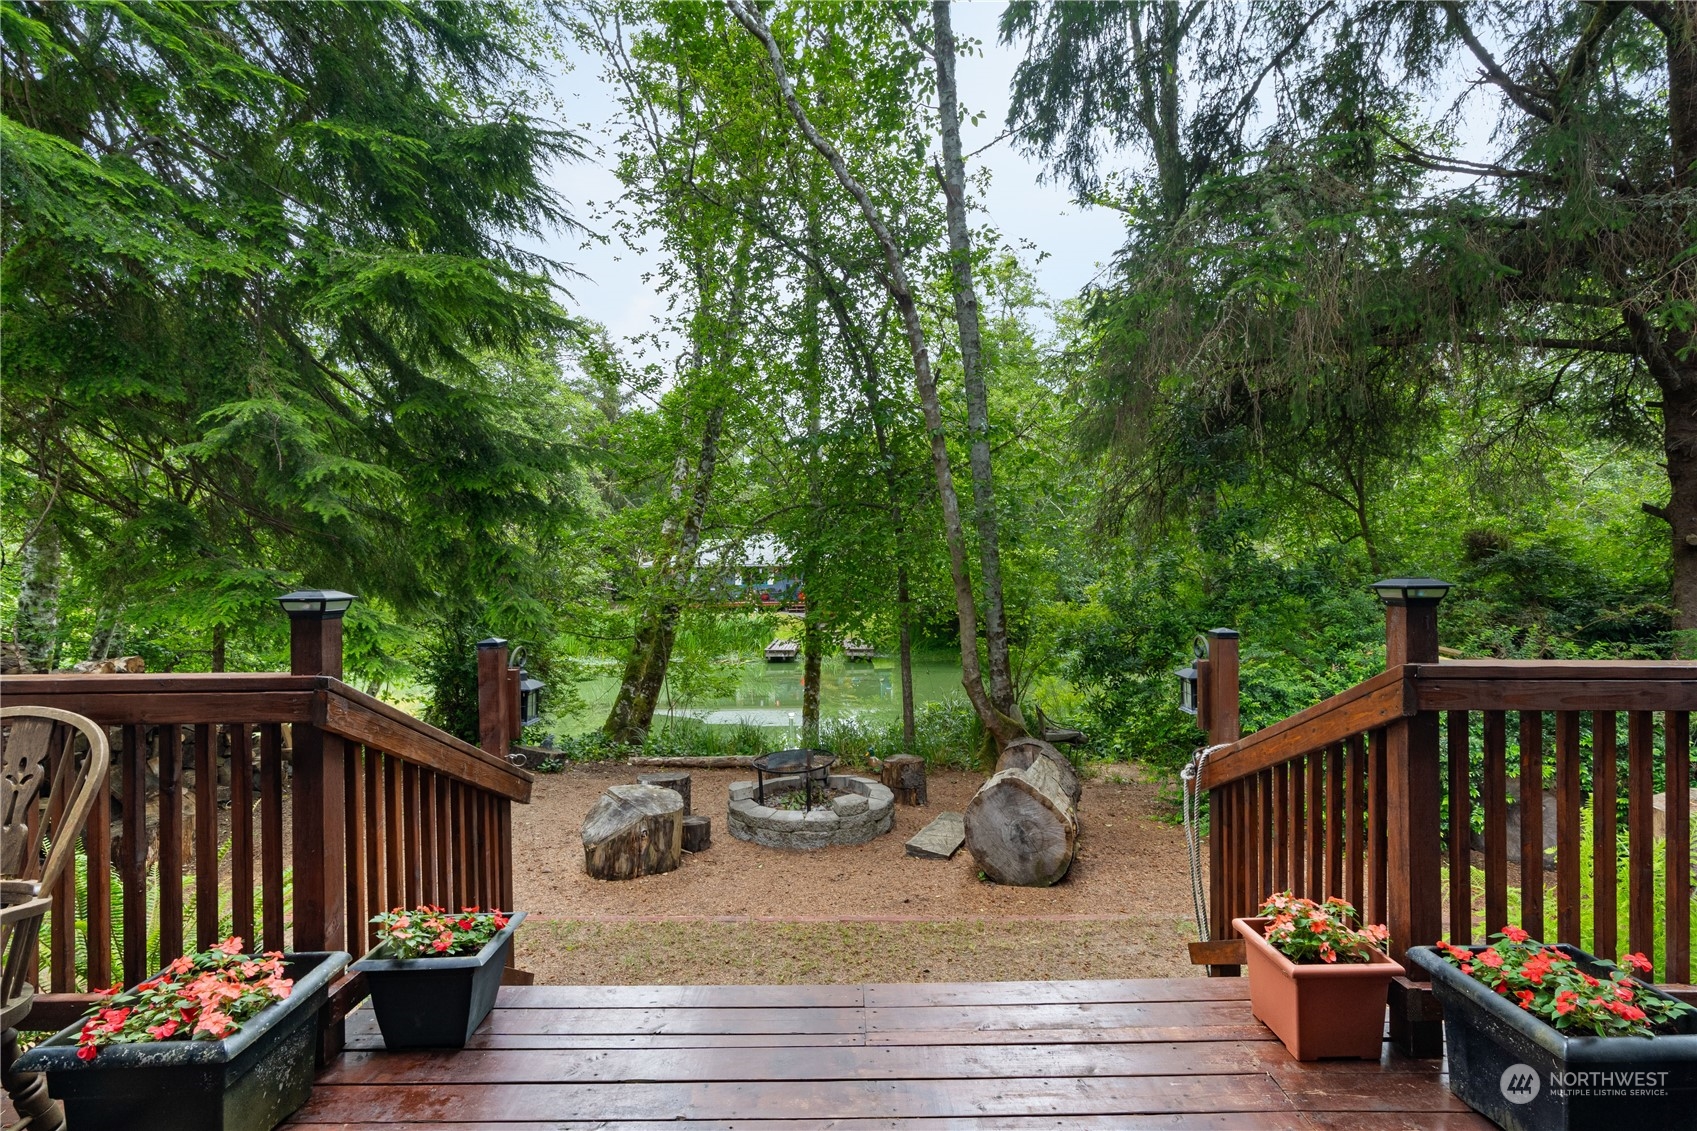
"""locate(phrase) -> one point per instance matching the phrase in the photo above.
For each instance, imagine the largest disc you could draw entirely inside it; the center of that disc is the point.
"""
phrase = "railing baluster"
(1567, 827)
(353, 801)
(1334, 820)
(1676, 740)
(1298, 826)
(1532, 823)
(1378, 843)
(431, 888)
(1640, 863)
(392, 831)
(409, 813)
(273, 915)
(97, 843)
(206, 835)
(504, 834)
(1317, 825)
(1356, 822)
(1265, 882)
(133, 860)
(241, 833)
(444, 842)
(1605, 846)
(1461, 829)
(168, 742)
(1493, 795)
(373, 836)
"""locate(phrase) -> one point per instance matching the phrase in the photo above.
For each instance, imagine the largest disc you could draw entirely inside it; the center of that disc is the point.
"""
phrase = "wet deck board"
(994, 1055)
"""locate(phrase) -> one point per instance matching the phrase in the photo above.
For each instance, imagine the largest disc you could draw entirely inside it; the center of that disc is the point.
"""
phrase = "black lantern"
(319, 602)
(1403, 590)
(530, 691)
(530, 699)
(1187, 685)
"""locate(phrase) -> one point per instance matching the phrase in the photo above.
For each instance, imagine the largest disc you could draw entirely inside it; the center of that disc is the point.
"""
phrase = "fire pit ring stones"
(864, 809)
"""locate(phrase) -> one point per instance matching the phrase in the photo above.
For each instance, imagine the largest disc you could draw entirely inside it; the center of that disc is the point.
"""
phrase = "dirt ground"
(743, 913)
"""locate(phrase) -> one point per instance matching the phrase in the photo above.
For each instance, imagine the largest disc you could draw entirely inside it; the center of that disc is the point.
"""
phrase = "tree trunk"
(897, 283)
(1021, 827)
(1679, 423)
(811, 642)
(645, 670)
(41, 566)
(904, 629)
(1678, 380)
(953, 177)
(218, 647)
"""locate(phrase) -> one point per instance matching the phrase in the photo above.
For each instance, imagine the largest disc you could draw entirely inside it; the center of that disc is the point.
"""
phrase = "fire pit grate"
(811, 765)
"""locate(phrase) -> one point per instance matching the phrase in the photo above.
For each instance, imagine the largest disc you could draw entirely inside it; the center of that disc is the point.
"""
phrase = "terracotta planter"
(250, 1081)
(1320, 1010)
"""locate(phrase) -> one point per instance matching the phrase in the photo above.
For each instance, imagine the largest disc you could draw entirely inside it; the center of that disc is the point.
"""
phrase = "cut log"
(1021, 752)
(904, 774)
(678, 783)
(1021, 827)
(698, 833)
(633, 830)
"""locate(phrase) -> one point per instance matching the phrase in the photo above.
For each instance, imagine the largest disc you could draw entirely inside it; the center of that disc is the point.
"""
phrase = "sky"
(1077, 240)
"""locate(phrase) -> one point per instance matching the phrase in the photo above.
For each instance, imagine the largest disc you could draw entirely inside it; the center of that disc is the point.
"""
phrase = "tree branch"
(1521, 96)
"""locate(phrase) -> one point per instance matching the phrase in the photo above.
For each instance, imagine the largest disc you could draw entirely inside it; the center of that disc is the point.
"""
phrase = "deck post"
(1413, 795)
(494, 729)
(318, 788)
(1218, 679)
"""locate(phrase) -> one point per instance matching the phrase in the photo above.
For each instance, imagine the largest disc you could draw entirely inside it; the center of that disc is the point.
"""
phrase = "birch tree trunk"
(900, 288)
(953, 178)
(41, 568)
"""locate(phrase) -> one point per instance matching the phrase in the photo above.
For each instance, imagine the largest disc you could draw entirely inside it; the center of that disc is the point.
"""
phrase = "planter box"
(1320, 1010)
(1491, 1041)
(250, 1081)
(436, 1003)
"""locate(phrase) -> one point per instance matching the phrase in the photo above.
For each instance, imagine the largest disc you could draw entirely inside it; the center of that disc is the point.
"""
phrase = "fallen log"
(1021, 752)
(633, 830)
(1021, 826)
(698, 762)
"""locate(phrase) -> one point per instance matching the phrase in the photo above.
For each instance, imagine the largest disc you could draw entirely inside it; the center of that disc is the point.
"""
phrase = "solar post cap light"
(1403, 590)
(320, 602)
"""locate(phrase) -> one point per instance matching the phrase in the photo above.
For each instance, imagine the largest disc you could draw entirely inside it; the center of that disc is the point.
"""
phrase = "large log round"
(633, 830)
(1021, 827)
(1021, 752)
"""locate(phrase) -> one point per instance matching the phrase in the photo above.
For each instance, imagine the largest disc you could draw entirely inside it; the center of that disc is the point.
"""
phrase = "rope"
(1191, 777)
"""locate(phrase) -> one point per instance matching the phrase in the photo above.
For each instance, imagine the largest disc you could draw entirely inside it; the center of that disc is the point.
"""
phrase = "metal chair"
(47, 787)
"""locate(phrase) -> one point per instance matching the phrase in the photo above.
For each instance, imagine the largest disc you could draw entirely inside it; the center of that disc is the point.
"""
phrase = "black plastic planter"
(1525, 1075)
(250, 1081)
(436, 1003)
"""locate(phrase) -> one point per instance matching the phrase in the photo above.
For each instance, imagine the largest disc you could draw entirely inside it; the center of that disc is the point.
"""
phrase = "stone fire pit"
(866, 809)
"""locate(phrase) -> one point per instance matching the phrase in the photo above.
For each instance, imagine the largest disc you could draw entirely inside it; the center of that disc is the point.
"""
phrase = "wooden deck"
(1172, 1052)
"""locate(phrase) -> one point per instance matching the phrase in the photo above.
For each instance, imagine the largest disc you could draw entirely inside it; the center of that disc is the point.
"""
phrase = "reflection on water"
(770, 694)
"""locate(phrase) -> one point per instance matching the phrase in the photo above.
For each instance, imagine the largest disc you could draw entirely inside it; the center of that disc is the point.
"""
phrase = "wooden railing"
(312, 806)
(1348, 798)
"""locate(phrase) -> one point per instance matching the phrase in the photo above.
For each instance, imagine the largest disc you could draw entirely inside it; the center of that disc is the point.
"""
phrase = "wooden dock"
(1008, 1055)
(782, 651)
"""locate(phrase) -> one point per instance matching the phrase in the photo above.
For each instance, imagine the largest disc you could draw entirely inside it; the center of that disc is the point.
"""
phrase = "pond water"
(769, 695)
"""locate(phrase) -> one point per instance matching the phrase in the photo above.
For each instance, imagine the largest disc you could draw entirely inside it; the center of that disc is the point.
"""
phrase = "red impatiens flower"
(200, 996)
(1548, 982)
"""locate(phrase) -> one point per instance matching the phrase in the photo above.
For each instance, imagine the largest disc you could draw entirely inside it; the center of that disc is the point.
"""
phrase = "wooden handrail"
(249, 697)
(1367, 705)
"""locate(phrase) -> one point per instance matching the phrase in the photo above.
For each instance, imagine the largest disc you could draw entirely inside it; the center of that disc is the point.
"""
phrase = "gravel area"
(849, 914)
